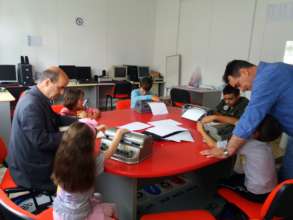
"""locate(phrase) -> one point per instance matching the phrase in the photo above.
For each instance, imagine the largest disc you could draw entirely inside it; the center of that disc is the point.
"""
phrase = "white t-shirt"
(259, 167)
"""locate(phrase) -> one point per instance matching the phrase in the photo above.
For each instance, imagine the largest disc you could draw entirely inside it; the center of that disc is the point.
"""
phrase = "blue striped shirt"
(272, 93)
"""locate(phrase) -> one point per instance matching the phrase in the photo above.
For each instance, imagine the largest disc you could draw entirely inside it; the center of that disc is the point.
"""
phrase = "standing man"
(35, 134)
(271, 86)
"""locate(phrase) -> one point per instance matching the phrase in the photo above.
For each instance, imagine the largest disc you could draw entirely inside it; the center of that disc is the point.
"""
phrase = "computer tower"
(25, 74)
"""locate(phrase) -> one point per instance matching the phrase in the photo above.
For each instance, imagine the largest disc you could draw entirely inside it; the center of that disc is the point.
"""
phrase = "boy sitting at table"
(259, 172)
(143, 92)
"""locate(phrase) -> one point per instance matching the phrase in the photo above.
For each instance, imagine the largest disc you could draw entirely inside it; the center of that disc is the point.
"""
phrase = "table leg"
(121, 191)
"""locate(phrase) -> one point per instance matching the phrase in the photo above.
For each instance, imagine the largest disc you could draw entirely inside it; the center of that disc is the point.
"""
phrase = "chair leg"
(107, 102)
(111, 103)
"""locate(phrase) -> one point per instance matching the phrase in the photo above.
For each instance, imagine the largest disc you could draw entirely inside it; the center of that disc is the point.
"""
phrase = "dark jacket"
(34, 140)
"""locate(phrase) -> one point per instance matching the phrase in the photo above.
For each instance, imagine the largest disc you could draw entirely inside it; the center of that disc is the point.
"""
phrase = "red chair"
(57, 108)
(7, 181)
(278, 205)
(123, 104)
(180, 215)
(179, 97)
(10, 210)
(121, 90)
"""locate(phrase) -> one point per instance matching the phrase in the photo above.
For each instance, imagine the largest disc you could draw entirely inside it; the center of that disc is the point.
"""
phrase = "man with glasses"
(35, 134)
(271, 86)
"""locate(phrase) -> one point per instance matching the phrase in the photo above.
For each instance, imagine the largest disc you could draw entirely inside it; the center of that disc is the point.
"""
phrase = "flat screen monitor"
(132, 73)
(120, 73)
(143, 71)
(84, 72)
(70, 70)
(8, 73)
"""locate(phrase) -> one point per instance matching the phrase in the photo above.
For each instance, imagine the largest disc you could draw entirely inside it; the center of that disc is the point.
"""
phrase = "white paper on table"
(166, 122)
(135, 126)
(158, 108)
(194, 114)
(100, 134)
(63, 128)
(183, 136)
(163, 131)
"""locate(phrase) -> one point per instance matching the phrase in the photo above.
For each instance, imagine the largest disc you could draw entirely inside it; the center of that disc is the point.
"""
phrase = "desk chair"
(123, 104)
(180, 215)
(7, 181)
(179, 97)
(278, 203)
(10, 210)
(57, 108)
(9, 186)
(121, 90)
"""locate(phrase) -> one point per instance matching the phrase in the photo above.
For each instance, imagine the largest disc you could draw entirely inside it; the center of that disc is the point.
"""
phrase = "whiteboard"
(173, 71)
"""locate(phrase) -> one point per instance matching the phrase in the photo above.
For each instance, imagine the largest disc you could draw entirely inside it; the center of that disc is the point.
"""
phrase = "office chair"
(123, 104)
(277, 204)
(9, 186)
(57, 108)
(7, 181)
(180, 215)
(179, 97)
(10, 210)
(121, 90)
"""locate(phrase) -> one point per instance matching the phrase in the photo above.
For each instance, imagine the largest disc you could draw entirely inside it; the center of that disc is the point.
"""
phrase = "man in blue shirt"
(271, 86)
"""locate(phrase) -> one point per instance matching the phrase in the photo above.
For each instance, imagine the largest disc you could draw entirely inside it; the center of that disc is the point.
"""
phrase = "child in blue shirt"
(143, 92)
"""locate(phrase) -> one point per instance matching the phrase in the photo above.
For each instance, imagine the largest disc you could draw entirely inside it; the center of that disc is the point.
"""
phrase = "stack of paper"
(194, 114)
(135, 126)
(183, 136)
(166, 122)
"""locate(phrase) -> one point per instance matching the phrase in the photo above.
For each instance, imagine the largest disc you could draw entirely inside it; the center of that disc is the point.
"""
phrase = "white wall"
(115, 32)
(273, 27)
(209, 34)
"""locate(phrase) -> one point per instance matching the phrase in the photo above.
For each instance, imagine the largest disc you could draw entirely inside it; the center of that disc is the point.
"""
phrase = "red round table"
(119, 183)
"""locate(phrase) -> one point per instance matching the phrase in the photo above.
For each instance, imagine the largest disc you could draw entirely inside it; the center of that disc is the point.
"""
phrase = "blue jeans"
(286, 171)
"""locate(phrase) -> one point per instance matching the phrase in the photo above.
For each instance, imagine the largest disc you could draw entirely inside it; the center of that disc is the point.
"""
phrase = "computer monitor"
(132, 73)
(84, 72)
(8, 73)
(143, 71)
(119, 73)
(70, 70)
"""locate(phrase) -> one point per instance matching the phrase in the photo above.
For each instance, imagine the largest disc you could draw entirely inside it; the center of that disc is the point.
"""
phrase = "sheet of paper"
(135, 126)
(166, 122)
(193, 114)
(183, 136)
(100, 134)
(163, 131)
(158, 108)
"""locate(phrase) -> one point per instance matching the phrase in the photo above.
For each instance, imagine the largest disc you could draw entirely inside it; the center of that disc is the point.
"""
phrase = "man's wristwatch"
(226, 152)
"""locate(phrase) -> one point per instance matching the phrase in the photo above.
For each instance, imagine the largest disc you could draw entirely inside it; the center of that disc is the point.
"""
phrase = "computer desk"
(5, 99)
(119, 182)
(94, 92)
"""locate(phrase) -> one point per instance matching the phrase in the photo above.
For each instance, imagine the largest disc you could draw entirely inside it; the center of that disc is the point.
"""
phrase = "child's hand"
(155, 98)
(120, 132)
(93, 113)
(101, 128)
(81, 114)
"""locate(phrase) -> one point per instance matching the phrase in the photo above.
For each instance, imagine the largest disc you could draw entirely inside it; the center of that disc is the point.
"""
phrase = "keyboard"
(87, 81)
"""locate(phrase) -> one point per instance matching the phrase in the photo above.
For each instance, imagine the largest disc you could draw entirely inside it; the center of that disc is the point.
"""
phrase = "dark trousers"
(236, 183)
